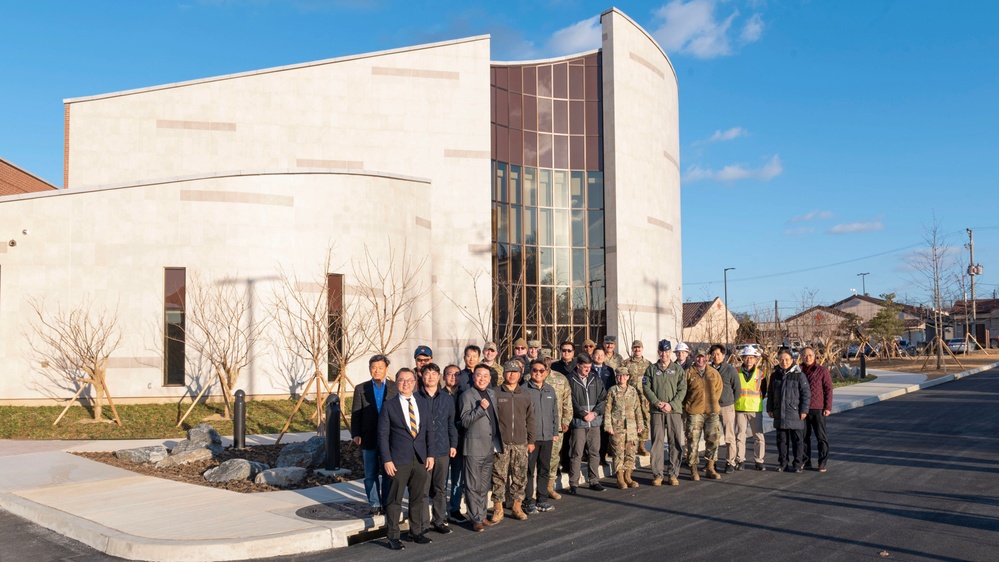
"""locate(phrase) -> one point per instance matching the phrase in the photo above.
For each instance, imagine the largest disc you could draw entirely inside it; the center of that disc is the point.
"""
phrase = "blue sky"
(818, 139)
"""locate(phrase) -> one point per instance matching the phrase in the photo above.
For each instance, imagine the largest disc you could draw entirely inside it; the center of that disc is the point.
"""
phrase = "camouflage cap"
(490, 345)
(622, 371)
(513, 366)
(534, 343)
(637, 343)
(700, 351)
(610, 339)
(545, 352)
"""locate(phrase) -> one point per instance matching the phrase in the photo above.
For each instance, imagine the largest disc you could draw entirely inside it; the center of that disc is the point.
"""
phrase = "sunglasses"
(566, 350)
(537, 370)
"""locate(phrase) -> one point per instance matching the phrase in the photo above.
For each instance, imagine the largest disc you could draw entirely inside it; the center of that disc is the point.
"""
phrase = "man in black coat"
(369, 397)
(406, 445)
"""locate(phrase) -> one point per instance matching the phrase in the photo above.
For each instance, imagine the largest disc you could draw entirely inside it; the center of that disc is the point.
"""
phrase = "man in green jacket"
(665, 386)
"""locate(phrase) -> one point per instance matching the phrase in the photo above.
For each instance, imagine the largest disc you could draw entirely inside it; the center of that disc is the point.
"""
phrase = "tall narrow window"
(334, 303)
(175, 285)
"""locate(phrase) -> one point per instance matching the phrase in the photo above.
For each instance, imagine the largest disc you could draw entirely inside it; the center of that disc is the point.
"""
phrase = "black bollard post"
(332, 461)
(239, 421)
(863, 366)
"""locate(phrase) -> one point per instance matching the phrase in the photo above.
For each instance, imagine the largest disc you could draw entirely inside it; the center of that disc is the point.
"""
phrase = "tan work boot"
(657, 481)
(693, 473)
(621, 483)
(673, 481)
(641, 450)
(552, 494)
(710, 471)
(627, 478)
(518, 511)
(497, 512)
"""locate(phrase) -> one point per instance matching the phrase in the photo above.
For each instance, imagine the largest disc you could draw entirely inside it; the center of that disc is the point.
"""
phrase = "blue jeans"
(374, 471)
(457, 470)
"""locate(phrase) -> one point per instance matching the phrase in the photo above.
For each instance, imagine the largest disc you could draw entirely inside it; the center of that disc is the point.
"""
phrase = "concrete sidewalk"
(144, 518)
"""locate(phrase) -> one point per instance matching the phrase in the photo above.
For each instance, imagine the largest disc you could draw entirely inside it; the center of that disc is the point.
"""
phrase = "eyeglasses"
(566, 350)
(537, 370)
(519, 347)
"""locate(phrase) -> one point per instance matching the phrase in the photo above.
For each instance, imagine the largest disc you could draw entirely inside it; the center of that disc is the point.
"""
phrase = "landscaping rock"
(188, 445)
(184, 457)
(308, 454)
(285, 476)
(153, 453)
(235, 469)
(202, 435)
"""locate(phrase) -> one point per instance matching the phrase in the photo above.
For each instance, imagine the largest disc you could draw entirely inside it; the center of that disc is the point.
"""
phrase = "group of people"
(456, 434)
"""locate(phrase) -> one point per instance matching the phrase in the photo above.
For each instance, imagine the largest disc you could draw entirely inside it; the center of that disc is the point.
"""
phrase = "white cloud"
(578, 37)
(727, 135)
(852, 227)
(736, 172)
(752, 30)
(814, 215)
(692, 28)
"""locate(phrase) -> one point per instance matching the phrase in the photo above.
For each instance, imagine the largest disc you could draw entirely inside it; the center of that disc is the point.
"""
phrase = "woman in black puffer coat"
(788, 398)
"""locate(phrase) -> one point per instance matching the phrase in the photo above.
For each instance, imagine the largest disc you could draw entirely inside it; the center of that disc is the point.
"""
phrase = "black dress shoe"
(760, 467)
(442, 529)
(597, 487)
(780, 469)
(396, 544)
(377, 511)
(572, 490)
(422, 539)
(457, 517)
(799, 469)
(729, 469)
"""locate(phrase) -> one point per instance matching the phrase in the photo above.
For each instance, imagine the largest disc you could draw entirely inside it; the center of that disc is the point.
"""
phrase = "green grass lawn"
(149, 421)
(841, 381)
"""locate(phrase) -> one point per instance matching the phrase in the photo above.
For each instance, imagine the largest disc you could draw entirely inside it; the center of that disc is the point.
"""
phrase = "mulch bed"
(350, 457)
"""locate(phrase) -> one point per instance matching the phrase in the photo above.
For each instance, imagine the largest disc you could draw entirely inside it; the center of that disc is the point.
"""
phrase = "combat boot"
(621, 482)
(657, 481)
(710, 471)
(627, 478)
(642, 452)
(552, 494)
(693, 473)
(497, 512)
(517, 510)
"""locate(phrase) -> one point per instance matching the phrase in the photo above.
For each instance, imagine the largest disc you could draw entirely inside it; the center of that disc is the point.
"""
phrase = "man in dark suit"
(406, 445)
(479, 443)
(368, 400)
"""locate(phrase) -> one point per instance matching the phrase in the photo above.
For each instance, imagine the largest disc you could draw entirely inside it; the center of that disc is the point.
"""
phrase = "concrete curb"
(911, 388)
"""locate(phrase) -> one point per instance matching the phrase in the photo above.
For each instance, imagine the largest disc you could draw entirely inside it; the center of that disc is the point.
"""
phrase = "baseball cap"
(637, 343)
(513, 366)
(423, 350)
(490, 345)
(664, 345)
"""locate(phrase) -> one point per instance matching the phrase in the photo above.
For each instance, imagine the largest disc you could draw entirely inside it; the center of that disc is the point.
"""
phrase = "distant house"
(817, 324)
(704, 322)
(984, 325)
(866, 307)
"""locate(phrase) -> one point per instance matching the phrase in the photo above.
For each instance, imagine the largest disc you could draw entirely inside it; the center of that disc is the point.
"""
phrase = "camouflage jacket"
(637, 368)
(623, 413)
(614, 360)
(563, 395)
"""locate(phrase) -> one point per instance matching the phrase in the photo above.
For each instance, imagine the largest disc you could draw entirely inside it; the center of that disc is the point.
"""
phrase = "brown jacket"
(515, 416)
(703, 391)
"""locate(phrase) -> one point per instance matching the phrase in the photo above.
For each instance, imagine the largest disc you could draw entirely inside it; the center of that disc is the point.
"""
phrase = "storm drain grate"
(338, 511)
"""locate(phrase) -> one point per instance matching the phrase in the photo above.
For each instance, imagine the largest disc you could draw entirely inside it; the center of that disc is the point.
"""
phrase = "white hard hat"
(749, 350)
(682, 347)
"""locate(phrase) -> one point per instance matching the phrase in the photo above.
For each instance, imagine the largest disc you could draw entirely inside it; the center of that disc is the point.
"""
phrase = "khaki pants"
(727, 416)
(755, 422)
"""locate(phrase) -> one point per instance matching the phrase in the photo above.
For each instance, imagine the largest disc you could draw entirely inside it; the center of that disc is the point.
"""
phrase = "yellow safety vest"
(750, 395)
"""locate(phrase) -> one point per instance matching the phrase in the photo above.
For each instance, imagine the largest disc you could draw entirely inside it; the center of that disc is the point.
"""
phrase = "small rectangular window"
(174, 312)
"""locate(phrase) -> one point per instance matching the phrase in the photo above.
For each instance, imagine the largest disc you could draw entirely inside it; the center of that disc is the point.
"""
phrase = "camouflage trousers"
(510, 466)
(556, 465)
(643, 435)
(624, 450)
(710, 426)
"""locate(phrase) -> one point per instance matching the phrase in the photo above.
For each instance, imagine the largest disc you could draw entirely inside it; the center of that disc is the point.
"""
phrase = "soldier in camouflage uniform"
(637, 365)
(564, 397)
(623, 421)
(515, 418)
(612, 358)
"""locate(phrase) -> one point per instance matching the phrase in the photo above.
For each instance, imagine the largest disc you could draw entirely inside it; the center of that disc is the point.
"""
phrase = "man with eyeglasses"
(480, 444)
(489, 354)
(560, 452)
(637, 366)
(565, 363)
(547, 432)
(520, 352)
(589, 397)
(407, 446)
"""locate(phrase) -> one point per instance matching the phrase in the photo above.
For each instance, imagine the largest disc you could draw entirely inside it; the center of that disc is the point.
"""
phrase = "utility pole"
(725, 276)
(973, 270)
(863, 281)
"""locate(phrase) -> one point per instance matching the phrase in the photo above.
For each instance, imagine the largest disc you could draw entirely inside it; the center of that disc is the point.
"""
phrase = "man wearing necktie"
(406, 445)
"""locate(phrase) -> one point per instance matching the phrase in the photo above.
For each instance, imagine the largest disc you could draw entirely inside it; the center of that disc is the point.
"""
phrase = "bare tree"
(221, 330)
(392, 291)
(321, 327)
(931, 266)
(77, 343)
(480, 316)
(626, 326)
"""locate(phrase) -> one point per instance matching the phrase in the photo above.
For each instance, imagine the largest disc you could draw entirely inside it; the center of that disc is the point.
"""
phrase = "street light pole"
(725, 276)
(863, 281)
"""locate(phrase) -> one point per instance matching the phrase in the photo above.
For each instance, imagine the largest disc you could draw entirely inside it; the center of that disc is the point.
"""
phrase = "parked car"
(854, 349)
(957, 345)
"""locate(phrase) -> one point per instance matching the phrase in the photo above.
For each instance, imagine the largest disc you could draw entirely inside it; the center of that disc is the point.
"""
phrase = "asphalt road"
(913, 478)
